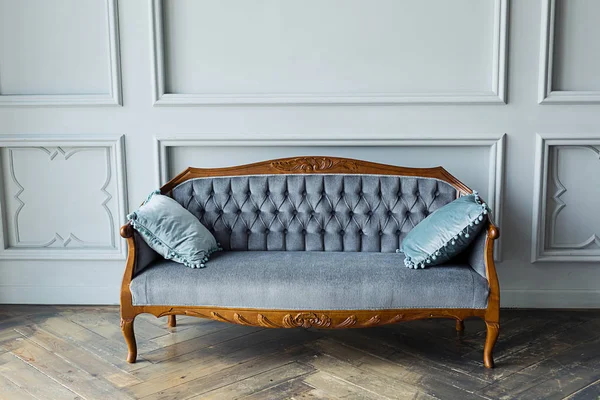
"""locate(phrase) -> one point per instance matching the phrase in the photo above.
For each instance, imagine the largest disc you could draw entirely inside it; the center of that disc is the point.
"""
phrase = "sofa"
(311, 242)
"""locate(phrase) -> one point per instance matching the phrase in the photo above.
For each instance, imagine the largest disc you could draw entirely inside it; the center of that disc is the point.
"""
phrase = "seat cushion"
(309, 281)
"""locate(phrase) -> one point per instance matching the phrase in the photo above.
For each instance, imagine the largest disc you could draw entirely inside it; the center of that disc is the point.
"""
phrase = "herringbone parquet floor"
(78, 353)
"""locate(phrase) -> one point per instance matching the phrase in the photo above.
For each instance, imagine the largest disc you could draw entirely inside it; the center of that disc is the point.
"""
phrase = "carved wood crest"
(313, 164)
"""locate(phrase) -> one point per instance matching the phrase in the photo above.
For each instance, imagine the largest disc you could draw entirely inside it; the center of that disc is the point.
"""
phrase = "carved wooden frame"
(328, 319)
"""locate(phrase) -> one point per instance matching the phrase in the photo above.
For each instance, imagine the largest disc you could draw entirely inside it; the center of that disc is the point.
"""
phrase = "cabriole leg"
(460, 326)
(172, 321)
(129, 335)
(493, 329)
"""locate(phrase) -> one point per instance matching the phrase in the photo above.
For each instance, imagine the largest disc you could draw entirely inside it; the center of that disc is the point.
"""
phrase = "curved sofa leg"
(129, 335)
(460, 326)
(493, 329)
(172, 321)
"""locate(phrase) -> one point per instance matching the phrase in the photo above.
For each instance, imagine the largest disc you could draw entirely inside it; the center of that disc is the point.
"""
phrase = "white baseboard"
(72, 295)
(84, 295)
(532, 298)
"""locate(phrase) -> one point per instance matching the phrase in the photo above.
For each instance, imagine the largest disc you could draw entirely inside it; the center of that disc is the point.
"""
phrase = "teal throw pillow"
(445, 233)
(173, 232)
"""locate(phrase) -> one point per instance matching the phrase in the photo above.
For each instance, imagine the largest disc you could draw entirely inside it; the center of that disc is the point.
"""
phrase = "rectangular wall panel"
(329, 52)
(59, 52)
(175, 154)
(62, 198)
(570, 52)
(566, 221)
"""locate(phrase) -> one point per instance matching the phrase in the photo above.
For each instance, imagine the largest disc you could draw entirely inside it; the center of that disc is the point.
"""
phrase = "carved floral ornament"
(299, 320)
(312, 164)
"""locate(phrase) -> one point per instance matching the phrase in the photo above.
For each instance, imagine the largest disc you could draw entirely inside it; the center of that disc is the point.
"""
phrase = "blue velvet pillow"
(445, 233)
(173, 232)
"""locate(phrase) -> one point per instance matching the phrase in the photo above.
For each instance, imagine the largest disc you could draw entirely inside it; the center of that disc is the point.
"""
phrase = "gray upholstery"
(310, 281)
(342, 213)
(475, 253)
(144, 254)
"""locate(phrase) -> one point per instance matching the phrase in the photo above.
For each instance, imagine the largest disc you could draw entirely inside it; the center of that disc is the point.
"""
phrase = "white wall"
(99, 102)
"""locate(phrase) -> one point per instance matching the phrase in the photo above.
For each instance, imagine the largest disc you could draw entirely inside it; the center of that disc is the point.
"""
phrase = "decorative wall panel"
(62, 52)
(62, 197)
(328, 52)
(566, 221)
(569, 57)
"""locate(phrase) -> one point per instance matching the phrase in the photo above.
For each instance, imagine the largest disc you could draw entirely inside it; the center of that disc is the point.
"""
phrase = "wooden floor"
(79, 353)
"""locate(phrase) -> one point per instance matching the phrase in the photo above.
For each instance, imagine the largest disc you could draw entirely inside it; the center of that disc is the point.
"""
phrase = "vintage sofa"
(310, 242)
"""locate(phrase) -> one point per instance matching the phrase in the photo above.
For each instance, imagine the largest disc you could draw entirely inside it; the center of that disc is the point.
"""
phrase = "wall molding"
(545, 92)
(53, 145)
(549, 298)
(496, 94)
(113, 98)
(495, 143)
(543, 230)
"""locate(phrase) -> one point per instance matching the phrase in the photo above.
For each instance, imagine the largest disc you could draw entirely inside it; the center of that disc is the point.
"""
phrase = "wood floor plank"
(113, 351)
(291, 389)
(258, 382)
(71, 352)
(83, 359)
(202, 328)
(229, 375)
(162, 354)
(67, 374)
(11, 391)
(423, 380)
(592, 391)
(555, 377)
(383, 385)
(215, 358)
(107, 324)
(332, 387)
(33, 381)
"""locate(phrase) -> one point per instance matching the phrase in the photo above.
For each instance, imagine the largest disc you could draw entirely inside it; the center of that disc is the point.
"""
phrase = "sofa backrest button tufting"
(285, 231)
(304, 231)
(342, 232)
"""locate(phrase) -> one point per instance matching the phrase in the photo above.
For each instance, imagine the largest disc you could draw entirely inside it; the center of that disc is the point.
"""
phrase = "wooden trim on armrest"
(493, 311)
(126, 299)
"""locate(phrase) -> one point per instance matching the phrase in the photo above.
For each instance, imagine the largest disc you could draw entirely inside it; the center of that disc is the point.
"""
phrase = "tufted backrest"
(316, 212)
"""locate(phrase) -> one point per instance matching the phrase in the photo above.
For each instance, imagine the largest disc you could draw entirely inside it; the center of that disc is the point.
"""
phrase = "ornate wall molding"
(61, 244)
(545, 92)
(495, 144)
(545, 246)
(113, 98)
(495, 95)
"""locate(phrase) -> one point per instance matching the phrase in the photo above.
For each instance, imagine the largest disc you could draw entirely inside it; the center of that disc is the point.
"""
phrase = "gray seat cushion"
(305, 280)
